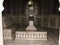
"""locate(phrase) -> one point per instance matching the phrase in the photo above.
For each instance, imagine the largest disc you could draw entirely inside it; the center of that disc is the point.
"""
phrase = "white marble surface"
(31, 35)
(31, 26)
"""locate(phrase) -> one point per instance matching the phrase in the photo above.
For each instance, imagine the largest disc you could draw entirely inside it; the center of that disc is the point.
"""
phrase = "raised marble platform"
(51, 40)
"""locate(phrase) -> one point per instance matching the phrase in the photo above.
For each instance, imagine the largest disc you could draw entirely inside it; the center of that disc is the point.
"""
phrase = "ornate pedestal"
(31, 27)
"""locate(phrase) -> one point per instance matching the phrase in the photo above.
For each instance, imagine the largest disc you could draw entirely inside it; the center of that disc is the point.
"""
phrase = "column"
(1, 31)
(59, 37)
(59, 28)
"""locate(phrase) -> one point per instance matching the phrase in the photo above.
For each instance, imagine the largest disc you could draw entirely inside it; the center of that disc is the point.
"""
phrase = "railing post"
(41, 20)
(57, 19)
(49, 22)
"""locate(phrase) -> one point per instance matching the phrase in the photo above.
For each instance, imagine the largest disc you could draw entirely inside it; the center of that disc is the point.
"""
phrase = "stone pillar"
(1, 31)
(59, 37)
(59, 28)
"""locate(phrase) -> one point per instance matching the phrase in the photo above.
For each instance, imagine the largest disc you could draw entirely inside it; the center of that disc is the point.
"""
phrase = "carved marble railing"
(52, 21)
(7, 34)
(31, 35)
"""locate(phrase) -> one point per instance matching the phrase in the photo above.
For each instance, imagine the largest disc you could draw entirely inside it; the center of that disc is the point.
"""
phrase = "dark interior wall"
(48, 6)
(18, 6)
(14, 6)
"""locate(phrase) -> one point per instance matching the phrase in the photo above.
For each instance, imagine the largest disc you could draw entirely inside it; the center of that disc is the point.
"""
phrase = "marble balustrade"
(31, 35)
